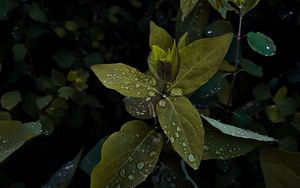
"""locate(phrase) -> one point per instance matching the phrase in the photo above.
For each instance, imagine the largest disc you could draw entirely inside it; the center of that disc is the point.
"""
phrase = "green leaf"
(126, 80)
(159, 37)
(19, 51)
(237, 132)
(280, 93)
(36, 13)
(274, 114)
(92, 158)
(194, 23)
(182, 124)
(218, 145)
(14, 134)
(183, 41)
(141, 108)
(58, 78)
(42, 102)
(66, 92)
(251, 68)
(287, 105)
(187, 6)
(261, 43)
(261, 92)
(281, 169)
(6, 6)
(200, 61)
(64, 59)
(217, 28)
(222, 6)
(289, 143)
(63, 177)
(10, 99)
(127, 157)
(249, 5)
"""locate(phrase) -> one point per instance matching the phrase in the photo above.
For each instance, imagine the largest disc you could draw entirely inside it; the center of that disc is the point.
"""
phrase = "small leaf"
(19, 51)
(6, 6)
(261, 43)
(63, 177)
(218, 28)
(281, 169)
(183, 41)
(251, 68)
(71, 25)
(141, 108)
(126, 80)
(249, 5)
(261, 92)
(218, 145)
(14, 134)
(42, 102)
(183, 126)
(274, 114)
(66, 92)
(93, 58)
(222, 6)
(280, 93)
(159, 37)
(287, 105)
(200, 61)
(58, 78)
(127, 157)
(92, 158)
(187, 6)
(238, 132)
(64, 59)
(36, 13)
(10, 99)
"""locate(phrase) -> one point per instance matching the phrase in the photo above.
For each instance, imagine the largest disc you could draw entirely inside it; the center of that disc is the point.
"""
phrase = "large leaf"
(237, 132)
(63, 177)
(182, 124)
(159, 37)
(14, 134)
(218, 145)
(281, 169)
(141, 108)
(127, 157)
(261, 43)
(187, 6)
(200, 61)
(125, 79)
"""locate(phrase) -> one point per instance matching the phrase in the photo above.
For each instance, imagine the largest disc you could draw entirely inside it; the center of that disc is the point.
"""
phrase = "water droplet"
(218, 153)
(153, 82)
(130, 159)
(140, 165)
(137, 85)
(268, 47)
(122, 172)
(148, 99)
(143, 151)
(123, 73)
(131, 177)
(172, 139)
(209, 31)
(173, 123)
(151, 93)
(176, 134)
(191, 157)
(183, 144)
(156, 140)
(162, 103)
(178, 129)
(176, 92)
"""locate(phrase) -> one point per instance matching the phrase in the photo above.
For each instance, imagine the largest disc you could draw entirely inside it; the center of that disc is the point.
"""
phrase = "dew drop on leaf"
(162, 103)
(140, 165)
(191, 157)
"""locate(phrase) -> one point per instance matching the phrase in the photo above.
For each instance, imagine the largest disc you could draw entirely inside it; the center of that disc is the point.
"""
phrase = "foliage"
(205, 104)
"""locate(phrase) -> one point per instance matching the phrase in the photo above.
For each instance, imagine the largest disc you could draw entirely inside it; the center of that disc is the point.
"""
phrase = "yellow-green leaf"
(182, 124)
(281, 169)
(200, 60)
(127, 157)
(183, 41)
(187, 6)
(280, 93)
(249, 5)
(159, 37)
(274, 114)
(10, 99)
(125, 79)
(14, 134)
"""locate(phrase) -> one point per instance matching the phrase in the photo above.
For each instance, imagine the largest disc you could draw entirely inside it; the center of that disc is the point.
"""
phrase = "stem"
(237, 58)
